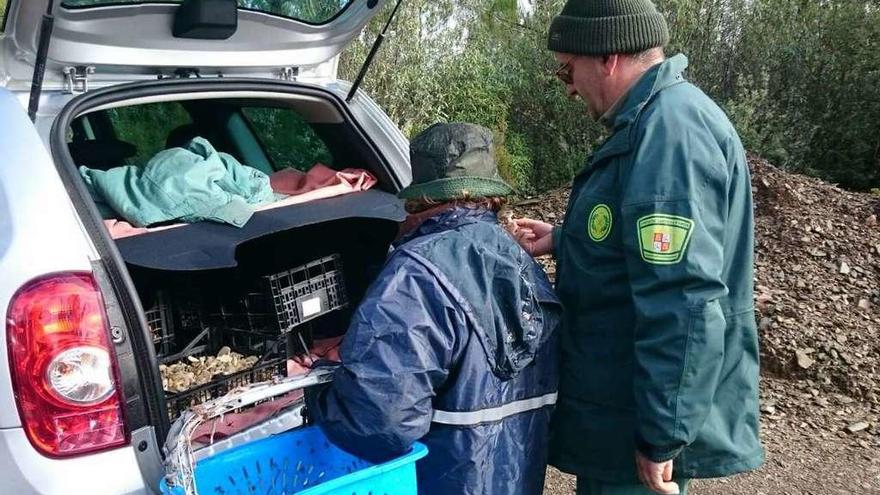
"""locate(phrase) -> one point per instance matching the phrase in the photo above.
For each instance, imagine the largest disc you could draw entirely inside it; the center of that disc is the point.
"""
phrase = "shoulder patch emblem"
(599, 223)
(664, 238)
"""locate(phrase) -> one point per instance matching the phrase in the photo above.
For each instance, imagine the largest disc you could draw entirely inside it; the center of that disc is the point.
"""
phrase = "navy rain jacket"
(454, 345)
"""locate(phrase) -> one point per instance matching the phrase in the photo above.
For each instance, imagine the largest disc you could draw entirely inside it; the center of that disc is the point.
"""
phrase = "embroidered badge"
(599, 223)
(664, 238)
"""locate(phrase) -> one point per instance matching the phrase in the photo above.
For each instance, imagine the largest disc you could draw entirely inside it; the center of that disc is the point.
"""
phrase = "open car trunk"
(208, 306)
(214, 330)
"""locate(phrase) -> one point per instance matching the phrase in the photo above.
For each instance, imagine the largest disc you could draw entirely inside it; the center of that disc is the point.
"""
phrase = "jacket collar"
(654, 80)
(448, 220)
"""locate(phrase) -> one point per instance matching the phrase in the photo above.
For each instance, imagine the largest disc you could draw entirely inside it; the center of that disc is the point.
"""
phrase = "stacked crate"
(265, 319)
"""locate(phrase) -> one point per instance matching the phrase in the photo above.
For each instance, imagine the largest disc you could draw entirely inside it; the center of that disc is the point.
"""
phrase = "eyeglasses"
(563, 72)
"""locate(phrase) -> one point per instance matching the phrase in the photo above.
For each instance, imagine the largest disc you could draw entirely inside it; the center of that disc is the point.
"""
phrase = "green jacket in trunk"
(655, 267)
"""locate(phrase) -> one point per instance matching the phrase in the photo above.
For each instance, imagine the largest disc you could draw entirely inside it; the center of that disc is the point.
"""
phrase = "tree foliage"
(481, 62)
(799, 78)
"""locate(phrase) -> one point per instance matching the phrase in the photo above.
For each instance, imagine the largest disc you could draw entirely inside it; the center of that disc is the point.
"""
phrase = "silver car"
(111, 82)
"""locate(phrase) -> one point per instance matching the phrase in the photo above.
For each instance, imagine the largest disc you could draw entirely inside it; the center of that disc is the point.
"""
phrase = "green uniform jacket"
(660, 349)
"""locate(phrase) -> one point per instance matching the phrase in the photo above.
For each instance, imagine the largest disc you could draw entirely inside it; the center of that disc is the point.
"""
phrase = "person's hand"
(323, 351)
(656, 475)
(300, 365)
(535, 237)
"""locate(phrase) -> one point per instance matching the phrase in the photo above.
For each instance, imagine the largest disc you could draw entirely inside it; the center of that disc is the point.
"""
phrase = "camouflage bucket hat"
(454, 161)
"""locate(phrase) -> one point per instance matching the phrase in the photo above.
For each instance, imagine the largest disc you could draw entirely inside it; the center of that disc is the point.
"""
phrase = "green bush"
(515, 161)
(799, 79)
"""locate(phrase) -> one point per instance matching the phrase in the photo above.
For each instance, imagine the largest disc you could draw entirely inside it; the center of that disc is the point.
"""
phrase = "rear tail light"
(80, 375)
(64, 370)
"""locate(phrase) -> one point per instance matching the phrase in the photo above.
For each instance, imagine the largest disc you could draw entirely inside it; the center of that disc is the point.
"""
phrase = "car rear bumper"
(25, 471)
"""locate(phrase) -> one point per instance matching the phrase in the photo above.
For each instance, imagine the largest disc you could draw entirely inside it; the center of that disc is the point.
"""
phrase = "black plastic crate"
(271, 350)
(281, 302)
(210, 340)
(160, 322)
(178, 402)
(308, 291)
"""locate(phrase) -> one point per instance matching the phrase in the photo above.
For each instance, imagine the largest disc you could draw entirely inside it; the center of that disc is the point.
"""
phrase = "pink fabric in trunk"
(319, 182)
(233, 423)
(120, 228)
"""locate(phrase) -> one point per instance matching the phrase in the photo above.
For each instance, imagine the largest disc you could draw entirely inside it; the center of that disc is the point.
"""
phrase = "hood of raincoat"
(510, 323)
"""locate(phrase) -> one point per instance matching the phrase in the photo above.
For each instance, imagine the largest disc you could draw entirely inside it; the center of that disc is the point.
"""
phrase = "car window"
(148, 126)
(287, 138)
(310, 11)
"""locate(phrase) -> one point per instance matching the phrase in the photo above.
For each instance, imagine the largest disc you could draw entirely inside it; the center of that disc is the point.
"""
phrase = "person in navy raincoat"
(455, 343)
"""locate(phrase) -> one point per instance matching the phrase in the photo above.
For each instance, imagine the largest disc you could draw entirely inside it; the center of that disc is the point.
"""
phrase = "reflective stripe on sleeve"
(467, 418)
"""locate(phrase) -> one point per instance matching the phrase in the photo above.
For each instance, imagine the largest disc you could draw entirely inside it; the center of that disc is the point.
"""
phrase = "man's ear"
(610, 64)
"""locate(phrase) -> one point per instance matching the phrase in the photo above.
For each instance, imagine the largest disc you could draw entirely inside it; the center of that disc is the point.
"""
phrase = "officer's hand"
(656, 475)
(534, 236)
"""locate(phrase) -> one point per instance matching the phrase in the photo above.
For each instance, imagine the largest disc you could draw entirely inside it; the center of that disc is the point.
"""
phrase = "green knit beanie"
(603, 27)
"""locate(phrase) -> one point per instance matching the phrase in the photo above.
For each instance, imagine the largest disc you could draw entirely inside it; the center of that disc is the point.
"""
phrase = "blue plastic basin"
(301, 462)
